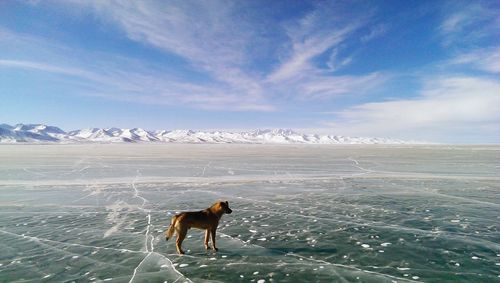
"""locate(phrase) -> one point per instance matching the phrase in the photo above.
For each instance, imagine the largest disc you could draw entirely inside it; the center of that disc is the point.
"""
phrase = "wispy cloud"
(466, 22)
(324, 87)
(375, 31)
(320, 31)
(306, 48)
(334, 62)
(487, 59)
(47, 68)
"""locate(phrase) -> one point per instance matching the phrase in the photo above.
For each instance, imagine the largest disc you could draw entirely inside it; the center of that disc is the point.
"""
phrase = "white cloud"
(483, 59)
(455, 22)
(334, 63)
(467, 22)
(46, 68)
(322, 30)
(306, 48)
(324, 87)
(375, 31)
(447, 106)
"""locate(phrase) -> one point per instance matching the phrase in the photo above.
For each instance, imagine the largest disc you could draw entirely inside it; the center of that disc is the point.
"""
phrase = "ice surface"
(300, 213)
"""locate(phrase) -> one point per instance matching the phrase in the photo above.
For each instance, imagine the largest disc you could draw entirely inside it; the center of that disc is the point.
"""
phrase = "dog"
(207, 219)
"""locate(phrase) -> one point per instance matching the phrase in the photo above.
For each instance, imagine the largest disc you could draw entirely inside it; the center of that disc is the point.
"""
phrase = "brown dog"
(207, 220)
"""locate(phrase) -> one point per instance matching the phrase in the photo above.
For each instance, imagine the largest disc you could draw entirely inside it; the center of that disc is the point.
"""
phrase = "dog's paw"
(215, 249)
(208, 247)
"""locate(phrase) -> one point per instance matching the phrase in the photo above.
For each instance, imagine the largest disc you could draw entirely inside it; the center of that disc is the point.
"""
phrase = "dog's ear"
(227, 203)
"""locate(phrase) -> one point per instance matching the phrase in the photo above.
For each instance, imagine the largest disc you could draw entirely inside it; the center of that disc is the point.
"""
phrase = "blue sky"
(425, 70)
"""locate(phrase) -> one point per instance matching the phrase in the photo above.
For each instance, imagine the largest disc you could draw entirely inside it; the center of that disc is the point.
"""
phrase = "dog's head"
(224, 206)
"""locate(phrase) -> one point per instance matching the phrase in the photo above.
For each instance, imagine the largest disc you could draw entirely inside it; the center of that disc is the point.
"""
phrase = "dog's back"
(202, 219)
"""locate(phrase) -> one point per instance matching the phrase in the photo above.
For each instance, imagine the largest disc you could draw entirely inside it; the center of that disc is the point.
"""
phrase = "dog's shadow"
(304, 250)
(231, 247)
(274, 251)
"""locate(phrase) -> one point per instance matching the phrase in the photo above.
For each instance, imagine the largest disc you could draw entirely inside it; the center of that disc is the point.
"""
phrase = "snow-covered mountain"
(31, 133)
(37, 133)
(112, 135)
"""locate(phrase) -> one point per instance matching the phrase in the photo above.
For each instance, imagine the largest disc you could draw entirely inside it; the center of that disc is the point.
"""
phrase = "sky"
(419, 70)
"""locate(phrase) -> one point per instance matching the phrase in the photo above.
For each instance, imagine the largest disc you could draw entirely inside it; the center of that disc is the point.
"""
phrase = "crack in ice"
(149, 249)
(205, 168)
(136, 195)
(33, 238)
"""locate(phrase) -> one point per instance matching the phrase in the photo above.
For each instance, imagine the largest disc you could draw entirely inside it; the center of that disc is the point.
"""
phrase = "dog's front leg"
(207, 237)
(213, 238)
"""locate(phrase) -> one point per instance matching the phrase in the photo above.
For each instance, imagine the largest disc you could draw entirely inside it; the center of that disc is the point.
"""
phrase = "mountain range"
(39, 133)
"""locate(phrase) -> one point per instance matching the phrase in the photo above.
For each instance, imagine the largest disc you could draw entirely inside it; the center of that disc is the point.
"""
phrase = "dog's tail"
(171, 229)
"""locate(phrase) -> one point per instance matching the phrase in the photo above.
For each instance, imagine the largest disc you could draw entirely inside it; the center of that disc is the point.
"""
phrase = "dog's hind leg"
(207, 237)
(181, 234)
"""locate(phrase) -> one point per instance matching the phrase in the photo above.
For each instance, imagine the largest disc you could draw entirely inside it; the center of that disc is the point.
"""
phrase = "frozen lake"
(300, 213)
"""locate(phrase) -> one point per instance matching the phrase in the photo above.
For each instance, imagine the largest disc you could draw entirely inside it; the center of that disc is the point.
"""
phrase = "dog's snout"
(229, 211)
